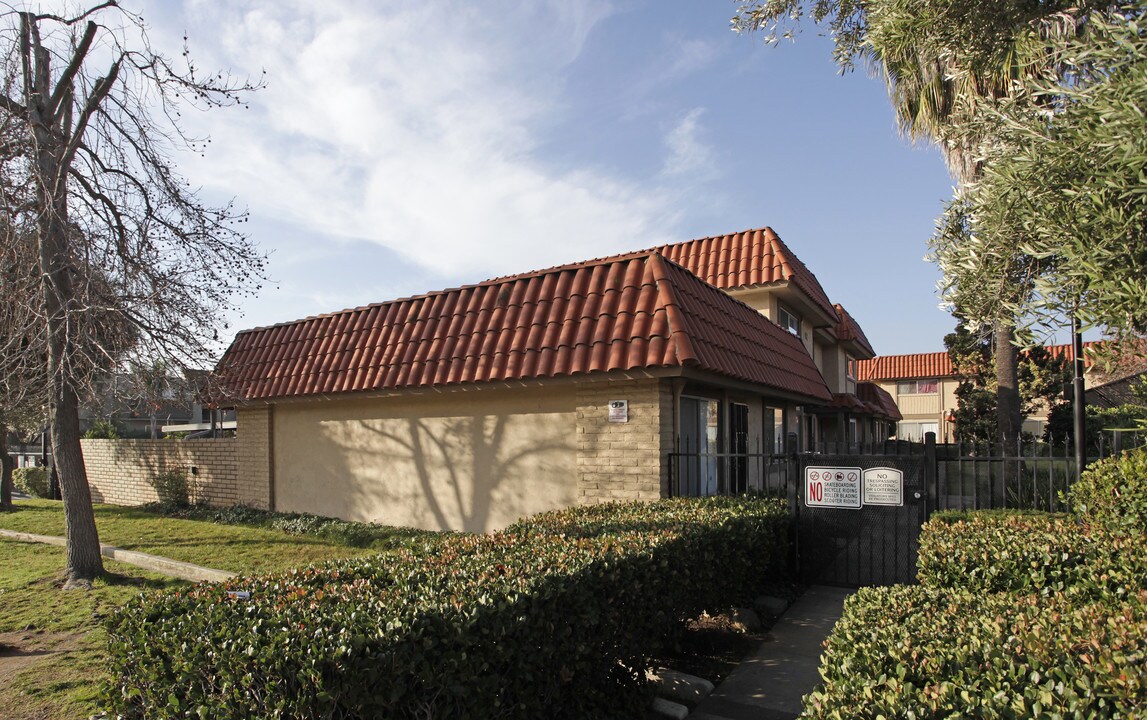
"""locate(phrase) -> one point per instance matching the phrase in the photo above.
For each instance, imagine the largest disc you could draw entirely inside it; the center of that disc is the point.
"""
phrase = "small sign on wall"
(618, 411)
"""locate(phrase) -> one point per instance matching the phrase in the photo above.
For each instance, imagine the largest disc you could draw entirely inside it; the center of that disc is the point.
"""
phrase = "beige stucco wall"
(473, 461)
(120, 471)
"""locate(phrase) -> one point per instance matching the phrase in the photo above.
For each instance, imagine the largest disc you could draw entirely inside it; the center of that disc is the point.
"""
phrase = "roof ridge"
(678, 332)
(470, 286)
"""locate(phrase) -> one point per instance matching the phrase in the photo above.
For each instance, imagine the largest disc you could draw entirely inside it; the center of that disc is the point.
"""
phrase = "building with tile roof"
(758, 268)
(471, 407)
(923, 387)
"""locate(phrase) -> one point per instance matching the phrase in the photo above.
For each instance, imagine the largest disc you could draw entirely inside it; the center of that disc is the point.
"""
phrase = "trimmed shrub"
(998, 552)
(557, 617)
(173, 488)
(31, 481)
(1113, 492)
(344, 532)
(1029, 552)
(913, 651)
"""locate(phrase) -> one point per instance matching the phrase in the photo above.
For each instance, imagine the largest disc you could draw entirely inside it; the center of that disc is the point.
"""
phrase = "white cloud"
(689, 155)
(415, 126)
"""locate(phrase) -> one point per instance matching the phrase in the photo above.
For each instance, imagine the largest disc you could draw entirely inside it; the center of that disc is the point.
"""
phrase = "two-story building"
(923, 386)
(471, 407)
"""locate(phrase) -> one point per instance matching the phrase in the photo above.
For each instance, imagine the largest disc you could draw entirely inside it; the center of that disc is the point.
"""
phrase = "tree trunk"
(83, 542)
(1009, 418)
(84, 561)
(8, 465)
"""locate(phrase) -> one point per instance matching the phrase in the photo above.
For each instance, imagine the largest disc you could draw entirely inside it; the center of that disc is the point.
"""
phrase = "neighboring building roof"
(848, 330)
(1116, 393)
(744, 260)
(933, 365)
(637, 311)
(901, 367)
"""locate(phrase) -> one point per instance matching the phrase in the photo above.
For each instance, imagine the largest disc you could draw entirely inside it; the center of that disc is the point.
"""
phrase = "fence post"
(931, 473)
(793, 480)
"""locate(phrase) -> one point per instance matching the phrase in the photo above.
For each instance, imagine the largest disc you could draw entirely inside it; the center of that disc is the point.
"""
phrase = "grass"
(39, 617)
(245, 550)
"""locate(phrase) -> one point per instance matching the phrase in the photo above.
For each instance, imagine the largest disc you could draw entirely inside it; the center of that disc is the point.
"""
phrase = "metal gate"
(859, 518)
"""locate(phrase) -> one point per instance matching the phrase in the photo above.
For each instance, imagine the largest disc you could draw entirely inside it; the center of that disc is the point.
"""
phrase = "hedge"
(556, 617)
(31, 481)
(999, 551)
(1113, 492)
(923, 652)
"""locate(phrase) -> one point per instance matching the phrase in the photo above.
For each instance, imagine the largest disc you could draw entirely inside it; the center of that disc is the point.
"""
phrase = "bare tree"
(128, 255)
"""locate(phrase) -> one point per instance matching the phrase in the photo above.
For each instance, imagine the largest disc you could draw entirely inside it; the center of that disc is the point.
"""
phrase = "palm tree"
(936, 90)
(942, 61)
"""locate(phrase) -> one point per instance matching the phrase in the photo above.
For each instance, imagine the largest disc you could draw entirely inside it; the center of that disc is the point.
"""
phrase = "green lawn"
(234, 548)
(37, 616)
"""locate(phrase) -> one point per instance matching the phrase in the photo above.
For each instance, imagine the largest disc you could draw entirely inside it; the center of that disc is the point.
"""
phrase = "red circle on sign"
(814, 475)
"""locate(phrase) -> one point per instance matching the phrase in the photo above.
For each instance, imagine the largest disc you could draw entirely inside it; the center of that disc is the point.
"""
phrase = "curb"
(155, 563)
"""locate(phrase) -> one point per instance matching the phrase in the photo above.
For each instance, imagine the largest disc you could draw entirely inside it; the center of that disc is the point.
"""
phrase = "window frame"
(782, 312)
(915, 385)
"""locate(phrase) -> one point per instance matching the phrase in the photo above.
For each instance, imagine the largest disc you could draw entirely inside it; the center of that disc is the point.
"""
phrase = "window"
(917, 387)
(712, 448)
(789, 320)
(915, 431)
(850, 367)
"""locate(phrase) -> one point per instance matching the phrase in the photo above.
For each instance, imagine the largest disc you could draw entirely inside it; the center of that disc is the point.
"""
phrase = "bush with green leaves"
(1028, 552)
(925, 652)
(343, 532)
(102, 430)
(173, 487)
(1113, 492)
(31, 481)
(557, 617)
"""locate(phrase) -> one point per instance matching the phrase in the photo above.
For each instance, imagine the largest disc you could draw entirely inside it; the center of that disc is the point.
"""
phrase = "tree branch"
(64, 84)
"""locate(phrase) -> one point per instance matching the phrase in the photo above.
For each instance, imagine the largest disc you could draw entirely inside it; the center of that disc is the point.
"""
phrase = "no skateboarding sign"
(832, 487)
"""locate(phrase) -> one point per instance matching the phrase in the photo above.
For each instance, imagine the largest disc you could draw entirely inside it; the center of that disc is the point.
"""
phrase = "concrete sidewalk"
(147, 561)
(769, 684)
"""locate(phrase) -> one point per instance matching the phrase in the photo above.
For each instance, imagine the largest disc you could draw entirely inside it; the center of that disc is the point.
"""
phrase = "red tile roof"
(744, 260)
(879, 400)
(848, 330)
(869, 399)
(933, 365)
(623, 313)
(900, 367)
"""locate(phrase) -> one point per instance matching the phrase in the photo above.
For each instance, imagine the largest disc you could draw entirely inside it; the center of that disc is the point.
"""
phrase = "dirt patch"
(23, 648)
(710, 646)
(20, 651)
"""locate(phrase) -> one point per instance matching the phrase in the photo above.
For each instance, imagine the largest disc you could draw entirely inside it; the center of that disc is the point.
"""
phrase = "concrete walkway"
(769, 684)
(155, 563)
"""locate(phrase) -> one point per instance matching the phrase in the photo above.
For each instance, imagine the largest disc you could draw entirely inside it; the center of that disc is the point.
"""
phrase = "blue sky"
(406, 147)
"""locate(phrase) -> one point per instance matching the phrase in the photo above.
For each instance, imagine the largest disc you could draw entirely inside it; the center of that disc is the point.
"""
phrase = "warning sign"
(832, 487)
(883, 486)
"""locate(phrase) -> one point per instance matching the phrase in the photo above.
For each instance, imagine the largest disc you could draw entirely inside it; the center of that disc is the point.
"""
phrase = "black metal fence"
(694, 472)
(1031, 475)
